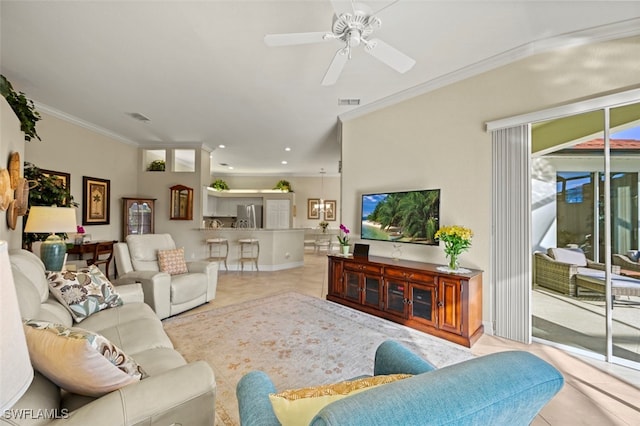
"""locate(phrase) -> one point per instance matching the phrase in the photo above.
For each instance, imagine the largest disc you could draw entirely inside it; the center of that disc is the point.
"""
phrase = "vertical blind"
(511, 232)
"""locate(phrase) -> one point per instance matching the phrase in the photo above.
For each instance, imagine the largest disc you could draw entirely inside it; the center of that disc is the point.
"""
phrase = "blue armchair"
(506, 388)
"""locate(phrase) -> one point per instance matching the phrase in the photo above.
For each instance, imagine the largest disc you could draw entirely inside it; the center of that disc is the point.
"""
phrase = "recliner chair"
(168, 295)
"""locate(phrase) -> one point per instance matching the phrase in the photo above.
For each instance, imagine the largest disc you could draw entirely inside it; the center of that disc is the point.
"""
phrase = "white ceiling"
(203, 75)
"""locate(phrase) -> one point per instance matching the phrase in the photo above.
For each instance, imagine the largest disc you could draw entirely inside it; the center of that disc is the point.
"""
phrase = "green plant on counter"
(22, 107)
(219, 185)
(284, 185)
(156, 166)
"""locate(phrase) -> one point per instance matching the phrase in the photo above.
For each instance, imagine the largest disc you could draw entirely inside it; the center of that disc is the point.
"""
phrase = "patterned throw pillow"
(172, 261)
(83, 292)
(299, 406)
(78, 360)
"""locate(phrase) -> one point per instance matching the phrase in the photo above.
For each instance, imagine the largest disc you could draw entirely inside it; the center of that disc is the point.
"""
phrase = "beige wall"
(11, 140)
(437, 140)
(69, 148)
(156, 185)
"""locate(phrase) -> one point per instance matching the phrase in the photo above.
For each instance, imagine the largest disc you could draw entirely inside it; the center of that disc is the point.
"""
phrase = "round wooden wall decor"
(6, 193)
(12, 215)
(22, 196)
(14, 169)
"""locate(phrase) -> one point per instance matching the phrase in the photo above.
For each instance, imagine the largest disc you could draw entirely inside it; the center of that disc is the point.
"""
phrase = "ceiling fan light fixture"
(354, 38)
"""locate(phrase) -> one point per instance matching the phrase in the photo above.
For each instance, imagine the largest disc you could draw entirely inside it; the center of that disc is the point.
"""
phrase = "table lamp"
(16, 372)
(51, 220)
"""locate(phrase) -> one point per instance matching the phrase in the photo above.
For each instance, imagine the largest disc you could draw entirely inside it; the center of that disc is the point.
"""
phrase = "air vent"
(138, 116)
(353, 101)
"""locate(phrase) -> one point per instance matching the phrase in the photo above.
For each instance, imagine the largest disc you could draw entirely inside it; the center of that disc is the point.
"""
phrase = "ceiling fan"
(353, 26)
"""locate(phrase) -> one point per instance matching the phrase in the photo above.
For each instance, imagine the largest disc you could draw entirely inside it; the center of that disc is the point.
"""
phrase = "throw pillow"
(573, 257)
(172, 261)
(78, 360)
(83, 292)
(299, 406)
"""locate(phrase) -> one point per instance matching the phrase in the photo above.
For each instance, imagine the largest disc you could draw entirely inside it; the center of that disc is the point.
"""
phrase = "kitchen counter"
(279, 248)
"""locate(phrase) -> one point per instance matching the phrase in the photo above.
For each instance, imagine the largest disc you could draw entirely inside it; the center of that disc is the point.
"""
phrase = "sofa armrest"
(615, 269)
(550, 273)
(393, 358)
(131, 293)
(183, 395)
(252, 392)
(156, 287)
(507, 388)
(210, 269)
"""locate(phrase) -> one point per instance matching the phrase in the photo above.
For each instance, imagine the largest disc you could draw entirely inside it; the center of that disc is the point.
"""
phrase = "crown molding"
(81, 123)
(618, 30)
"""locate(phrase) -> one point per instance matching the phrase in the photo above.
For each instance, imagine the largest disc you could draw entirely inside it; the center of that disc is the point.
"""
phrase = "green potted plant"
(45, 190)
(219, 185)
(284, 186)
(156, 166)
(22, 107)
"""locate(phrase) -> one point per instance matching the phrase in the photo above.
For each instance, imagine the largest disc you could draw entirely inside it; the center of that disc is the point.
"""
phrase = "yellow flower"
(456, 240)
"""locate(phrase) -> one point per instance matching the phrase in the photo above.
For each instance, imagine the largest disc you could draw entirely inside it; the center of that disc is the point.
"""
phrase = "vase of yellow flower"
(456, 240)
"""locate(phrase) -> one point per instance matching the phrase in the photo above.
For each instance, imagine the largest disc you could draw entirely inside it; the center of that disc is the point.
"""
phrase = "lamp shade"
(51, 220)
(16, 372)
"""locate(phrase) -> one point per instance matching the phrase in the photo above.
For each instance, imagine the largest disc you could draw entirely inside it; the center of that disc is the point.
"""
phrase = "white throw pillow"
(78, 360)
(573, 257)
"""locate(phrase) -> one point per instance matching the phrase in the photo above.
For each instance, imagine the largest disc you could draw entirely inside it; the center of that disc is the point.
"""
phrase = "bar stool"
(249, 251)
(219, 250)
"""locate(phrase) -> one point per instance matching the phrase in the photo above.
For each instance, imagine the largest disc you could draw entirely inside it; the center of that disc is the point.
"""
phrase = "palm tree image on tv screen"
(407, 217)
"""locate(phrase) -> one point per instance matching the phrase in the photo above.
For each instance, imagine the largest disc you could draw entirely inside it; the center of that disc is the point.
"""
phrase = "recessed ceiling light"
(284, 161)
(230, 167)
(287, 149)
(222, 146)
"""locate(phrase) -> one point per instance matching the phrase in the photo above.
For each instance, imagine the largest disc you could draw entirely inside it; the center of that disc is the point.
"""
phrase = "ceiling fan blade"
(388, 5)
(389, 55)
(335, 69)
(342, 6)
(291, 39)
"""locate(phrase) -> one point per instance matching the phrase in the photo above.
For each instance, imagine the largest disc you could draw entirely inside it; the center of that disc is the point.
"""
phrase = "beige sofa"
(137, 261)
(173, 392)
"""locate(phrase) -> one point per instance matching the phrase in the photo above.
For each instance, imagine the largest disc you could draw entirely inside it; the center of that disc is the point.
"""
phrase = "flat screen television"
(403, 216)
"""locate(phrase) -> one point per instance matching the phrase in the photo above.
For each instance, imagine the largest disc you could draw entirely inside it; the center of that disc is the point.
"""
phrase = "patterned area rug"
(297, 340)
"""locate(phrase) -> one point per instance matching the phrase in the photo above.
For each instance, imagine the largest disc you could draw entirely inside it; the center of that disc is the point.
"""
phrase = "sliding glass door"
(585, 202)
(625, 167)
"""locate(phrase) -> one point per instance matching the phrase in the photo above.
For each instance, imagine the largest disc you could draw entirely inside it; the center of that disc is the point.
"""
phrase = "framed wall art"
(330, 210)
(62, 179)
(313, 208)
(96, 201)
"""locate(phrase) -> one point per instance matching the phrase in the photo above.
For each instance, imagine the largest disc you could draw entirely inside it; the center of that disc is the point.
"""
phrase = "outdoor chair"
(557, 269)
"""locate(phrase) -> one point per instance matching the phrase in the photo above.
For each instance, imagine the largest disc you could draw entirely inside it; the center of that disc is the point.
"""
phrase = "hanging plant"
(284, 185)
(219, 185)
(22, 107)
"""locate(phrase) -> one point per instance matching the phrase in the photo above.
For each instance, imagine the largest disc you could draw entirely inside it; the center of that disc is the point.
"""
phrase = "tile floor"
(595, 393)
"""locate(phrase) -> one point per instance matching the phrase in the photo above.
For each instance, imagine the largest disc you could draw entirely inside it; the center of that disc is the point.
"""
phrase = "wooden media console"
(415, 294)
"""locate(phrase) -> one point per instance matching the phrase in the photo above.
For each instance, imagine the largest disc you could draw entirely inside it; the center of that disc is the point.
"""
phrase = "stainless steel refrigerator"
(249, 216)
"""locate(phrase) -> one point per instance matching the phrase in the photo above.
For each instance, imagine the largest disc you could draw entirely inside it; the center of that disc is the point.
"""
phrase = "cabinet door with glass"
(363, 283)
(138, 216)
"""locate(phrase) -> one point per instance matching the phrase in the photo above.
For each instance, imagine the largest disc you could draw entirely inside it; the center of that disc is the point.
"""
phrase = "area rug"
(298, 340)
